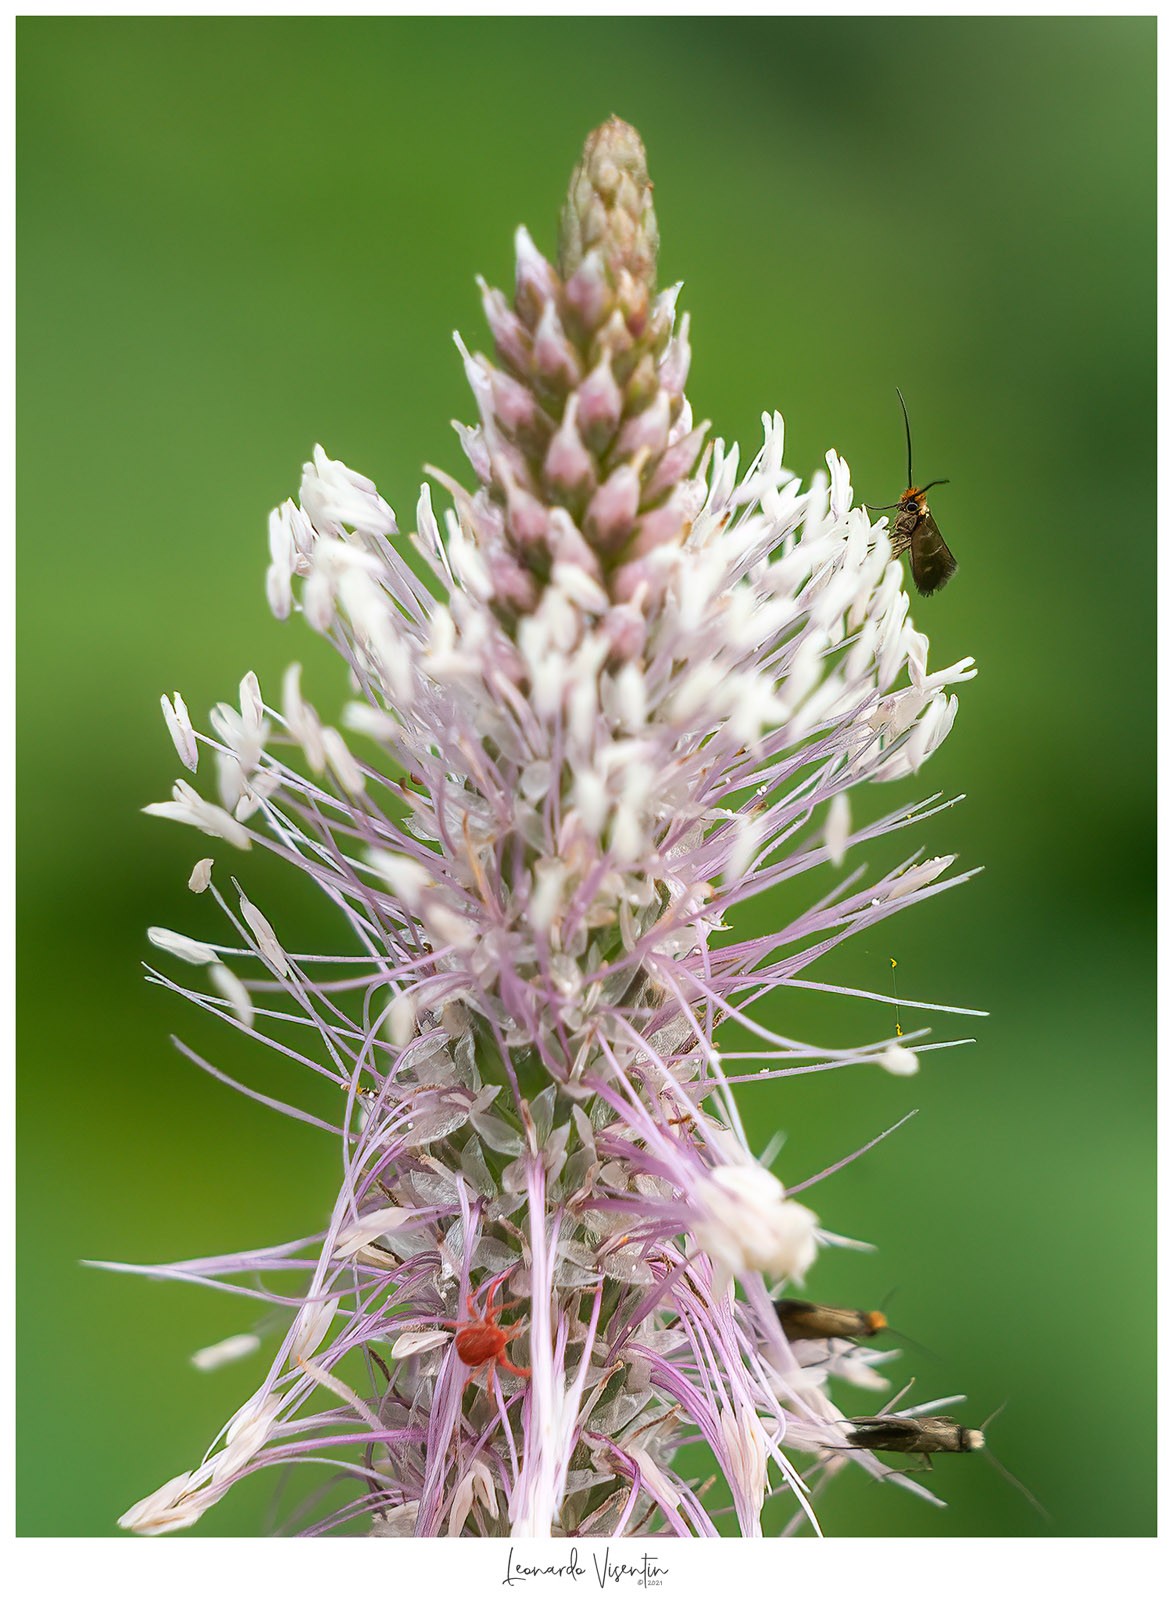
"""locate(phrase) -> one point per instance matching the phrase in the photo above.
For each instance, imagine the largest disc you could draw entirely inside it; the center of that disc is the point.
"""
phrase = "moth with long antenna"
(915, 530)
(808, 1319)
(923, 1436)
(805, 1319)
(913, 1436)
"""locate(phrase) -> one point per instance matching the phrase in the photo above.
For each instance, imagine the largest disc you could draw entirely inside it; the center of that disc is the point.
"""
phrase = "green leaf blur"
(239, 237)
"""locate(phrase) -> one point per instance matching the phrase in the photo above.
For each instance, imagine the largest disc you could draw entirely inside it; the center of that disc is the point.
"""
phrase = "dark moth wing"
(929, 556)
(908, 1435)
(883, 1433)
(868, 1428)
(803, 1319)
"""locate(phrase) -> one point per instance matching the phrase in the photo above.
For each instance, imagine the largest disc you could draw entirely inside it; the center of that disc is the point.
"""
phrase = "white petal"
(747, 1450)
(461, 1505)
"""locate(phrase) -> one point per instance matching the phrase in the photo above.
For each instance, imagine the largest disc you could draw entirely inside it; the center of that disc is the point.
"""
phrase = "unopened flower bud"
(609, 208)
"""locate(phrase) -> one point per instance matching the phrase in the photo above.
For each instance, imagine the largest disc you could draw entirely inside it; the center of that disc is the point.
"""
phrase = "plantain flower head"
(611, 685)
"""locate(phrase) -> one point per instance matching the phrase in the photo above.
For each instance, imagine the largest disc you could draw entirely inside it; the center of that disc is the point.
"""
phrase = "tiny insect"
(914, 1436)
(804, 1319)
(915, 530)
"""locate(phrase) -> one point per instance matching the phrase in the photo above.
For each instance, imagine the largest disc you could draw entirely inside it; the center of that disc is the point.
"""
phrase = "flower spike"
(619, 686)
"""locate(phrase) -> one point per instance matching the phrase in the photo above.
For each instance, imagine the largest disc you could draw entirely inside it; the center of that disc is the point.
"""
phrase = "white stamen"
(301, 719)
(178, 944)
(837, 829)
(917, 877)
(346, 768)
(401, 1020)
(187, 806)
(267, 941)
(182, 734)
(234, 991)
(235, 1348)
(405, 877)
(369, 1228)
(201, 875)
(312, 1325)
(549, 877)
(899, 1061)
(414, 1344)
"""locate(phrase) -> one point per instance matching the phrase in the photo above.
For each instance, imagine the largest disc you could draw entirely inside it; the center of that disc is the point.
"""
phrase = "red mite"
(480, 1341)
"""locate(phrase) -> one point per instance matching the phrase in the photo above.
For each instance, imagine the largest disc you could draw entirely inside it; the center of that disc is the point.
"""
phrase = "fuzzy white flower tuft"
(745, 1221)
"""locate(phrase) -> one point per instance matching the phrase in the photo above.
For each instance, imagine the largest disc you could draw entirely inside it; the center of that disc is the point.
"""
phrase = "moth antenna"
(907, 435)
(994, 1415)
(897, 1333)
(1017, 1483)
(915, 1344)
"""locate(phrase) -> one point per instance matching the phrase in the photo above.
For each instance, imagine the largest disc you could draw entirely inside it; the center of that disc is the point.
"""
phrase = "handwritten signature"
(645, 1573)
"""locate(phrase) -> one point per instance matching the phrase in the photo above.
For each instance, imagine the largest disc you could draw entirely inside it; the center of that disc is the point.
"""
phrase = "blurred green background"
(239, 237)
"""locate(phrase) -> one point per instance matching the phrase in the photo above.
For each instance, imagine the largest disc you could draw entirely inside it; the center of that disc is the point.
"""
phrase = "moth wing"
(929, 556)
